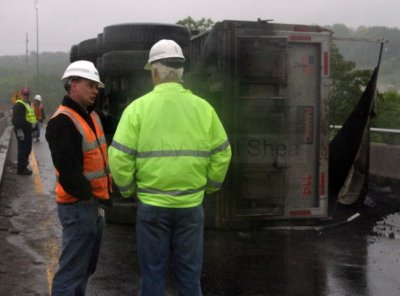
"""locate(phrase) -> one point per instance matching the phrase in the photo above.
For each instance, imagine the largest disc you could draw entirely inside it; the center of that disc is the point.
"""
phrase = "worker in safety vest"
(170, 148)
(38, 108)
(79, 152)
(24, 120)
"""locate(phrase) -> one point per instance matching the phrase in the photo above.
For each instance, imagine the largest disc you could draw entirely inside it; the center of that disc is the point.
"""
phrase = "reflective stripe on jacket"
(95, 159)
(30, 113)
(170, 147)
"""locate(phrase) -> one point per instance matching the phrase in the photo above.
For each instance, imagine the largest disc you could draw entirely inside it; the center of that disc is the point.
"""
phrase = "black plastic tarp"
(349, 150)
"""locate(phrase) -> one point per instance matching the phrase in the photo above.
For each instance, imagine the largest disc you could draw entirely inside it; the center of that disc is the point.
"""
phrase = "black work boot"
(24, 171)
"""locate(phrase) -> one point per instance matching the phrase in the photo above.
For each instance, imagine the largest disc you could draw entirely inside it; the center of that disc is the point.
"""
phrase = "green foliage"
(349, 81)
(348, 85)
(198, 26)
(388, 110)
(365, 54)
(17, 72)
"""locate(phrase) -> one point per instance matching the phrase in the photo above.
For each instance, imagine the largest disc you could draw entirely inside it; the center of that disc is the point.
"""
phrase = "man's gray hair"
(168, 74)
(68, 82)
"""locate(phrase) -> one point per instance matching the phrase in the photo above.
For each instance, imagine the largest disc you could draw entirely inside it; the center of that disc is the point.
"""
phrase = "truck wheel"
(88, 50)
(124, 62)
(73, 55)
(141, 36)
(99, 65)
(122, 212)
(100, 47)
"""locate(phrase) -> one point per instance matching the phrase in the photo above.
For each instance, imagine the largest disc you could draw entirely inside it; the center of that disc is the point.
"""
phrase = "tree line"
(365, 54)
(352, 64)
(20, 71)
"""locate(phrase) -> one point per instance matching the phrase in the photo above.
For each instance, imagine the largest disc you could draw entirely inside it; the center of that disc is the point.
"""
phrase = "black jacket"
(65, 144)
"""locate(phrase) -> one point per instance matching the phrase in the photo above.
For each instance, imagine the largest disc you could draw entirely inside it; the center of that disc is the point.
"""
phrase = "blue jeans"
(36, 130)
(162, 232)
(81, 238)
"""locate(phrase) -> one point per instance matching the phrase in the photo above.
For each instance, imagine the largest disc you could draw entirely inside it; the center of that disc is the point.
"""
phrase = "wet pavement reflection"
(343, 261)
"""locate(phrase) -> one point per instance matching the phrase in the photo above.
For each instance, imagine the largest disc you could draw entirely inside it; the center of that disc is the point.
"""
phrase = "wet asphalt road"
(359, 258)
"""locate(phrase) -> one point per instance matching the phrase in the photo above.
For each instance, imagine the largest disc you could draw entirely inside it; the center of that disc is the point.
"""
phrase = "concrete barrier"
(385, 161)
(6, 133)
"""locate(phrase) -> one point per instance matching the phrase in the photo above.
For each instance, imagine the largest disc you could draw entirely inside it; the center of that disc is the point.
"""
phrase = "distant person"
(24, 120)
(38, 107)
(170, 148)
(79, 152)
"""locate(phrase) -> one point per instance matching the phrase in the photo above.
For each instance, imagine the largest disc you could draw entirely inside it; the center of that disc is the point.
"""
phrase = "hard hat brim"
(100, 84)
(147, 66)
(179, 61)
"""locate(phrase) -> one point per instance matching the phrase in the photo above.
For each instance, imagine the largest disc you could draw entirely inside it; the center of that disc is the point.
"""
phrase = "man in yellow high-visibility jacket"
(170, 148)
(24, 121)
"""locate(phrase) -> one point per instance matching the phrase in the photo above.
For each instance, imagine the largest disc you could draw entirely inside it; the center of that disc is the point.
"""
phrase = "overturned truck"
(270, 85)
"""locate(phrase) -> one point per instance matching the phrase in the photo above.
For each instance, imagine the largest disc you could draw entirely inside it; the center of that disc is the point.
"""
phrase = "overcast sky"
(63, 23)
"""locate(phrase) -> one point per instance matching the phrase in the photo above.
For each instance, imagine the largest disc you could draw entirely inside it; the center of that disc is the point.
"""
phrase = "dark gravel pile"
(383, 199)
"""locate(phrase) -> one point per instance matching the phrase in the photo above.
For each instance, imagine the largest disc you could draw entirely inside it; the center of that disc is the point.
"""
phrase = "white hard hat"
(84, 69)
(164, 49)
(38, 97)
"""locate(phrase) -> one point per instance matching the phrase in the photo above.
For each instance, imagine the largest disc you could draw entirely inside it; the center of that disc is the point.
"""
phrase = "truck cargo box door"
(260, 116)
(262, 60)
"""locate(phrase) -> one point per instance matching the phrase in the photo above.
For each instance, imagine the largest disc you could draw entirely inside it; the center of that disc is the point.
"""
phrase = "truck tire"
(73, 55)
(99, 65)
(122, 212)
(100, 47)
(124, 62)
(142, 36)
(88, 50)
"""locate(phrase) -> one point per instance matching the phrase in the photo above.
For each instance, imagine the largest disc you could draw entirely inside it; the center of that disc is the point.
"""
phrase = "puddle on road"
(388, 227)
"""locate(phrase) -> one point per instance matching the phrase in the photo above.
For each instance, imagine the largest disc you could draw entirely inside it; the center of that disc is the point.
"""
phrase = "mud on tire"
(142, 36)
(124, 62)
(88, 50)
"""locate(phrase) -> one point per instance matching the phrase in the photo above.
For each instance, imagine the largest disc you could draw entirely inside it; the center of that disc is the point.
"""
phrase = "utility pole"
(26, 60)
(37, 44)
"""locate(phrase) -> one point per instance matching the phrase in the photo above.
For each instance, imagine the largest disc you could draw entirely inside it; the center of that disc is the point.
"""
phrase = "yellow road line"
(52, 262)
(52, 247)
(36, 174)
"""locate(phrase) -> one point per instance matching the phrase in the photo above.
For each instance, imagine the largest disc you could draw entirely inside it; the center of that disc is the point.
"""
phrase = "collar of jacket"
(24, 101)
(169, 86)
(68, 102)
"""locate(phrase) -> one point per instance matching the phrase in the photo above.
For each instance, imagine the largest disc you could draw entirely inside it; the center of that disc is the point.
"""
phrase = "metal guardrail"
(387, 136)
(360, 40)
(375, 129)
